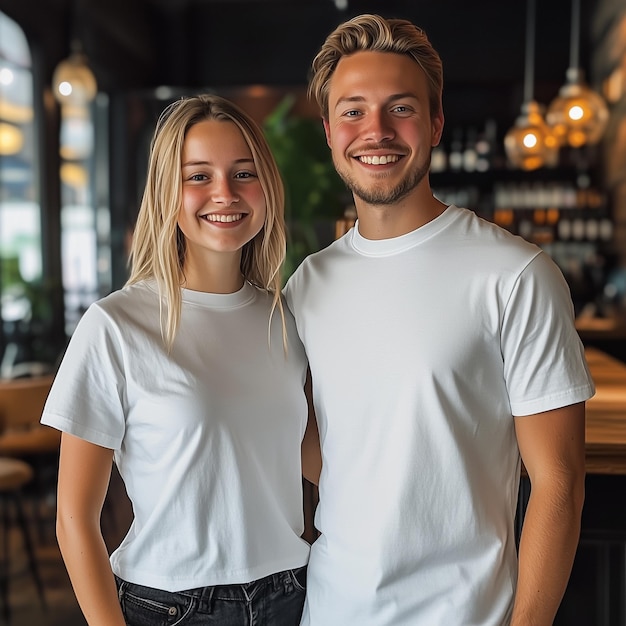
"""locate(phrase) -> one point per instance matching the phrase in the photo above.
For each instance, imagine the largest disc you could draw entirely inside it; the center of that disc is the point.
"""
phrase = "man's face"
(379, 126)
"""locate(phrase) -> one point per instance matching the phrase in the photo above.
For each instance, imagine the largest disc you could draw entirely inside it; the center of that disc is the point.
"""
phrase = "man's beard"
(380, 195)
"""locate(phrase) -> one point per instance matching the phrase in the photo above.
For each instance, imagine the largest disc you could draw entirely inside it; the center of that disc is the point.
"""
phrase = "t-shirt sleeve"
(87, 395)
(544, 360)
(288, 293)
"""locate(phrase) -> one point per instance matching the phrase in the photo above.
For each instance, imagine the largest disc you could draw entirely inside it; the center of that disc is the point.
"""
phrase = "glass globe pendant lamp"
(73, 81)
(578, 114)
(530, 143)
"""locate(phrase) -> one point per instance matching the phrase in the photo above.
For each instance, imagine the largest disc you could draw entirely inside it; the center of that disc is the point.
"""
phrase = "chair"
(14, 475)
(23, 437)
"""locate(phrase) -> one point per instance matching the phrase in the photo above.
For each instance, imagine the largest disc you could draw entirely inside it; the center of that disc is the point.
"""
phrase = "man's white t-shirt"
(207, 438)
(422, 348)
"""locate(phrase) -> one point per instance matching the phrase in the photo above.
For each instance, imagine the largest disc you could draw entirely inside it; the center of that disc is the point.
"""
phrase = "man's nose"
(379, 127)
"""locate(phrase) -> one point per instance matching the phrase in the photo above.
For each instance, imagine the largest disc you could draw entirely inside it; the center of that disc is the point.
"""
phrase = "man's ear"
(326, 130)
(437, 128)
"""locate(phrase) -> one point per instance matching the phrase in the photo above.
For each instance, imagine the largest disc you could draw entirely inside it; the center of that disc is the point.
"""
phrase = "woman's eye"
(198, 177)
(245, 175)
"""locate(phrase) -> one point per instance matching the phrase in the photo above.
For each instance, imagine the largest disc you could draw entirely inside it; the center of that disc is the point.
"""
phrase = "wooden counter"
(595, 592)
(606, 415)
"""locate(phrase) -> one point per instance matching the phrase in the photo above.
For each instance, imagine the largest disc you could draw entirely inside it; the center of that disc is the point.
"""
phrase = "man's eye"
(401, 108)
(352, 113)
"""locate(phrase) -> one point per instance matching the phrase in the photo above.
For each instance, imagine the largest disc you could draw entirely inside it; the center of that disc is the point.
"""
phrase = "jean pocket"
(298, 577)
(143, 606)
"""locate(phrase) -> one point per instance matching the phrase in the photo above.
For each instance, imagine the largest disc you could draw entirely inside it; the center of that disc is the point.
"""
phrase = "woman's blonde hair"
(159, 247)
(373, 33)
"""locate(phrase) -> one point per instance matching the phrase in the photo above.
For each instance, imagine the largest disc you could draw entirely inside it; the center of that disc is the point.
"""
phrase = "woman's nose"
(223, 192)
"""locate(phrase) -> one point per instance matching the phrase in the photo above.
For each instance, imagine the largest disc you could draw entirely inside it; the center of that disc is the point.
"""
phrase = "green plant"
(314, 192)
(28, 320)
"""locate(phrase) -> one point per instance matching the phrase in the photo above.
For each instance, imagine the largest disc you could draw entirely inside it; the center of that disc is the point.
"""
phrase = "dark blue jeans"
(275, 600)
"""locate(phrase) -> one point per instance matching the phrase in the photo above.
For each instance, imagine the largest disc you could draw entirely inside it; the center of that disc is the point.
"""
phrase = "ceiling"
(140, 44)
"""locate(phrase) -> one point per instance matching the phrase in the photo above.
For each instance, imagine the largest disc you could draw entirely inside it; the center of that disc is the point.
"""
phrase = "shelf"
(463, 178)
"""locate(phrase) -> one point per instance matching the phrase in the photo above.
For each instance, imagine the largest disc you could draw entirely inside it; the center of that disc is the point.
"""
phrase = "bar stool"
(14, 474)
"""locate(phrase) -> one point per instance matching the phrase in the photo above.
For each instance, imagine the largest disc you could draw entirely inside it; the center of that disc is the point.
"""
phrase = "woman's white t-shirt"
(206, 439)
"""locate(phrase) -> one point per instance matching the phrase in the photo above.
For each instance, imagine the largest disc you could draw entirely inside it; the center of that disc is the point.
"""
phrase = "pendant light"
(73, 82)
(578, 114)
(530, 143)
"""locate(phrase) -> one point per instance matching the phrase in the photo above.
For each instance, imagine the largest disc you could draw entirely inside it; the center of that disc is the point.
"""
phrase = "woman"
(190, 379)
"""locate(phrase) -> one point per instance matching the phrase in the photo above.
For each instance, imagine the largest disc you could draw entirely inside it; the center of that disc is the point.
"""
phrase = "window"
(21, 304)
(85, 226)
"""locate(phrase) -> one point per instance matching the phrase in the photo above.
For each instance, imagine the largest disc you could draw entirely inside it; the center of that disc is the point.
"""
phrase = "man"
(441, 347)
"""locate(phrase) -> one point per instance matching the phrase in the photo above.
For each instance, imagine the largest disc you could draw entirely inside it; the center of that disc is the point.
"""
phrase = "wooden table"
(595, 594)
(605, 426)
(605, 436)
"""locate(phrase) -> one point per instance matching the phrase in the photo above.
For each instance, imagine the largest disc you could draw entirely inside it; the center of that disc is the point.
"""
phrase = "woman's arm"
(84, 474)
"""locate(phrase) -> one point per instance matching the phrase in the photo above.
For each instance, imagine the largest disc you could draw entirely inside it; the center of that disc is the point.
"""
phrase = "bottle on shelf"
(470, 155)
(485, 147)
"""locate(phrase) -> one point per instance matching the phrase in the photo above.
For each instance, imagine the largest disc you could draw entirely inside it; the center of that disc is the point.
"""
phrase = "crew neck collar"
(214, 300)
(395, 245)
(220, 300)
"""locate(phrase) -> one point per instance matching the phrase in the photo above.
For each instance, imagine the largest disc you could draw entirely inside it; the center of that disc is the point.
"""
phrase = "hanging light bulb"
(530, 143)
(578, 114)
(73, 81)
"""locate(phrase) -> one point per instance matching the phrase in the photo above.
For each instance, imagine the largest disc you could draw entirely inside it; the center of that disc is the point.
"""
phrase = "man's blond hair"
(373, 33)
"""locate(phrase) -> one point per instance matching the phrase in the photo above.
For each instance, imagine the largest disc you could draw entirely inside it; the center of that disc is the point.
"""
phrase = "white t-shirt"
(206, 439)
(422, 348)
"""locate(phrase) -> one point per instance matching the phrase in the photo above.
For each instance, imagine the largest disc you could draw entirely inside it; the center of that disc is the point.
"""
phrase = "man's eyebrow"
(402, 96)
(392, 98)
(349, 99)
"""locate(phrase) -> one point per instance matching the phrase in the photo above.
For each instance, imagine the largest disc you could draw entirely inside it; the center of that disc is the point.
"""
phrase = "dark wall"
(144, 43)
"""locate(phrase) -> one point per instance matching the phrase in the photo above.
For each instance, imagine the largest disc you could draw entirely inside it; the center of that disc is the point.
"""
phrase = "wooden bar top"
(605, 431)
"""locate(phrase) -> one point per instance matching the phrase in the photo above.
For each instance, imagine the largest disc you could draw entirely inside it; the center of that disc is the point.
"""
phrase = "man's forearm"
(547, 548)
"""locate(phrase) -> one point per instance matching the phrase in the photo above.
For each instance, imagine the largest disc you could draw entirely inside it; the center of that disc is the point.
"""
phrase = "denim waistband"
(243, 592)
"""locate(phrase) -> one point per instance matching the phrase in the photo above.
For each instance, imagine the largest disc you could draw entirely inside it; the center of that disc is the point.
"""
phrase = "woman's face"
(223, 202)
